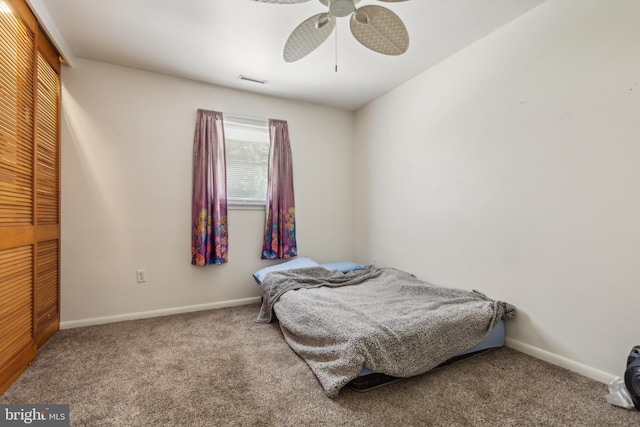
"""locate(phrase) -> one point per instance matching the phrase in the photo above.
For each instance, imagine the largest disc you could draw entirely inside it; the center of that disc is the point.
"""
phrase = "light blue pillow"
(300, 262)
(344, 266)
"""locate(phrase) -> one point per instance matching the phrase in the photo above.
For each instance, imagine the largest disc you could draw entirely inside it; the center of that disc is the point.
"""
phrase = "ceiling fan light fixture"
(341, 8)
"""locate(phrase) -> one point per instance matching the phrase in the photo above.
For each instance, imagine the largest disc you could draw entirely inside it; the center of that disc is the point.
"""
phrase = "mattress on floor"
(369, 379)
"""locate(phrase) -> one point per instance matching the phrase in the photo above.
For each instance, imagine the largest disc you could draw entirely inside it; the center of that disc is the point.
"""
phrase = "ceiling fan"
(375, 27)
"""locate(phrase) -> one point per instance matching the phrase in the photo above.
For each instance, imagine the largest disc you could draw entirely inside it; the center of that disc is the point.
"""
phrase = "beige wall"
(127, 140)
(513, 168)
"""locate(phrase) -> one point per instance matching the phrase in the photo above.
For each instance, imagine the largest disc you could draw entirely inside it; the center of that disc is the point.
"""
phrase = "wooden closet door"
(29, 189)
(17, 232)
(47, 192)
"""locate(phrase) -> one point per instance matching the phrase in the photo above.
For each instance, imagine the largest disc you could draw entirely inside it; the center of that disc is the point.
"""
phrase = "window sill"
(243, 206)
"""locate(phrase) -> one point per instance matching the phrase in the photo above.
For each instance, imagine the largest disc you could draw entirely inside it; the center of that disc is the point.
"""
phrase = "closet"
(29, 189)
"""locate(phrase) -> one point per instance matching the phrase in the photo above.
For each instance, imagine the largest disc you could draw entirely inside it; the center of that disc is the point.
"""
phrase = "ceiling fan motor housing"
(341, 8)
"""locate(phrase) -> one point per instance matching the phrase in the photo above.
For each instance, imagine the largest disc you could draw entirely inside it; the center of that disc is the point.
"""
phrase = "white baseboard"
(538, 353)
(563, 362)
(156, 313)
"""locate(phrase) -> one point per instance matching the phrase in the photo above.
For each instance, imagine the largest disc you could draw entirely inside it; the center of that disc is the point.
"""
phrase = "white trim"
(156, 313)
(46, 21)
(246, 204)
(563, 362)
(536, 352)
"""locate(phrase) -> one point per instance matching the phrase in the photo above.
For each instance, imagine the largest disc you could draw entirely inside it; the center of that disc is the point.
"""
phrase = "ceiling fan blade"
(308, 36)
(380, 30)
(282, 1)
(393, 1)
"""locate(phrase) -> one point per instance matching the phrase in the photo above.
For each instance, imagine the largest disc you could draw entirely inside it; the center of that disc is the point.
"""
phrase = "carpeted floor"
(219, 368)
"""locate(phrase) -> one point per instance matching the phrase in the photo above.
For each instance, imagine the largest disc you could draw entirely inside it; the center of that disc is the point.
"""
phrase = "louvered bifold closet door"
(47, 143)
(17, 227)
(46, 290)
(16, 122)
(47, 181)
(15, 290)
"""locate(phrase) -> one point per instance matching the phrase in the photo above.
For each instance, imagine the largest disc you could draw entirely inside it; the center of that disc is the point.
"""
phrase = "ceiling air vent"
(249, 79)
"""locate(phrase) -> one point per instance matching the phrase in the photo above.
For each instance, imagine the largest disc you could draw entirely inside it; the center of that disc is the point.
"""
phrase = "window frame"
(238, 203)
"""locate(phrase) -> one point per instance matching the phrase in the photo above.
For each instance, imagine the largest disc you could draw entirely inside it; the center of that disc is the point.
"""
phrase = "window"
(247, 156)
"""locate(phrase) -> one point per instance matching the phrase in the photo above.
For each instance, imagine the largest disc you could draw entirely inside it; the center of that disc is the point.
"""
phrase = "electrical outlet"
(374, 261)
(141, 275)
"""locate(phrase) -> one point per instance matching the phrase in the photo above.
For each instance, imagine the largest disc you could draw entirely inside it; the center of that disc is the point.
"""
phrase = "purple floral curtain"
(280, 218)
(209, 238)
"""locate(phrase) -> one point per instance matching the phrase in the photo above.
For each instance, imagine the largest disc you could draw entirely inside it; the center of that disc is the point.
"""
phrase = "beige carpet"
(219, 368)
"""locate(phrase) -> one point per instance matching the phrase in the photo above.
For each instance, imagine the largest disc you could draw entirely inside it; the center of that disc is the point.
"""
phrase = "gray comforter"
(380, 318)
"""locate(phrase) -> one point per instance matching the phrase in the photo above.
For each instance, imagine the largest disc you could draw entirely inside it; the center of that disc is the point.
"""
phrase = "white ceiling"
(216, 41)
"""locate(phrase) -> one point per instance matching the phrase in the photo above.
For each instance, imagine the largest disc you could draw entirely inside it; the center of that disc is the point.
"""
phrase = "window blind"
(247, 156)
